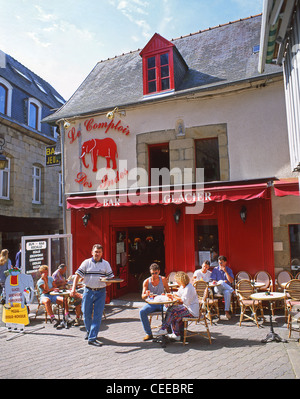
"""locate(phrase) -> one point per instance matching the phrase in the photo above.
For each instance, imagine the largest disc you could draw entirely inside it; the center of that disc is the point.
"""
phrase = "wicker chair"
(244, 290)
(242, 275)
(283, 277)
(211, 305)
(189, 321)
(57, 308)
(292, 291)
(264, 277)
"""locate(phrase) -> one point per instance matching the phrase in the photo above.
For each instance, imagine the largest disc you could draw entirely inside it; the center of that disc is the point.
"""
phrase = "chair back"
(297, 276)
(264, 277)
(244, 289)
(171, 277)
(283, 277)
(293, 289)
(201, 289)
(242, 275)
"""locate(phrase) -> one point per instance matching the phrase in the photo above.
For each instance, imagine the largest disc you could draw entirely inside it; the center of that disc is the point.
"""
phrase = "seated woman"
(45, 285)
(188, 306)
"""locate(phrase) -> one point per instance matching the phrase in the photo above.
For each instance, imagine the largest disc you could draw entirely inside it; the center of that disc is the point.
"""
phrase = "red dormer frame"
(158, 66)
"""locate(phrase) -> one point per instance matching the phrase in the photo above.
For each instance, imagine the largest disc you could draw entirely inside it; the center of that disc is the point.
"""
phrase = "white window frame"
(39, 109)
(2, 173)
(9, 95)
(36, 184)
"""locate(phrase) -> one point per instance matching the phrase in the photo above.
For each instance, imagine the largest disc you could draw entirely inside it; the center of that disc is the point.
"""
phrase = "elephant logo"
(106, 148)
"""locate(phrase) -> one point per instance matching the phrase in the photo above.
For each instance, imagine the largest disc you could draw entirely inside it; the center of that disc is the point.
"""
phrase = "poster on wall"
(203, 256)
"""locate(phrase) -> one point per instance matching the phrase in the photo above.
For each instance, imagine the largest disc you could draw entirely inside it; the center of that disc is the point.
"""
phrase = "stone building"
(30, 191)
(193, 103)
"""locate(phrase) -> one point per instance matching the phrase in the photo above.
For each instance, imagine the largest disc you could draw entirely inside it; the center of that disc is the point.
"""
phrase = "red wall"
(248, 246)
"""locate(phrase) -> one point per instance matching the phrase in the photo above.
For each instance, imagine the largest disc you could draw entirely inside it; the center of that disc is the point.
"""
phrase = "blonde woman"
(5, 264)
(188, 306)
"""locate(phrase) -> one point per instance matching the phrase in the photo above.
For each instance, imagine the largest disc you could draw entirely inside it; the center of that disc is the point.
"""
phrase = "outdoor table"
(173, 286)
(64, 294)
(270, 297)
(162, 339)
(257, 284)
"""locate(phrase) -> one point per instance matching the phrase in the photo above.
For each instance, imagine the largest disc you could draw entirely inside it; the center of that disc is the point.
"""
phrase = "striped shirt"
(92, 271)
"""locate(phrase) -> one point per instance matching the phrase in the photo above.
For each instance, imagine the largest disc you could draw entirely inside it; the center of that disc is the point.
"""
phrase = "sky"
(62, 40)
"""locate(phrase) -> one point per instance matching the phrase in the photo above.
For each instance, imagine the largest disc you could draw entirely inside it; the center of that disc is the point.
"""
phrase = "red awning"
(187, 196)
(283, 188)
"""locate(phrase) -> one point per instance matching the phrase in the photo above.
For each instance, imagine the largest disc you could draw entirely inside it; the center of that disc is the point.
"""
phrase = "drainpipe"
(264, 34)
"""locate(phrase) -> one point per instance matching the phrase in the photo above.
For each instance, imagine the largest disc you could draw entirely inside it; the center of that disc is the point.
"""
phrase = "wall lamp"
(177, 215)
(86, 218)
(111, 114)
(243, 213)
(3, 159)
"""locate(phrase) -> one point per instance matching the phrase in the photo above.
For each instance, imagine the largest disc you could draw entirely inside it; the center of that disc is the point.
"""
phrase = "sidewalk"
(236, 352)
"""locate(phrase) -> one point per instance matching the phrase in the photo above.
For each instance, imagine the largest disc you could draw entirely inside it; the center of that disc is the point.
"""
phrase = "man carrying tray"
(92, 270)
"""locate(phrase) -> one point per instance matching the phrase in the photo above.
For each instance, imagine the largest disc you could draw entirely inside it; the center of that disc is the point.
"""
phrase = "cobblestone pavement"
(236, 352)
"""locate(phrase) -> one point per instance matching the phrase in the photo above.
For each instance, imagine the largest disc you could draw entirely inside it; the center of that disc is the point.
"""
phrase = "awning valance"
(185, 196)
(283, 188)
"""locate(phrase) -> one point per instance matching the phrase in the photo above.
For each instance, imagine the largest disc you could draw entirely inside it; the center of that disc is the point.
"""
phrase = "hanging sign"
(52, 158)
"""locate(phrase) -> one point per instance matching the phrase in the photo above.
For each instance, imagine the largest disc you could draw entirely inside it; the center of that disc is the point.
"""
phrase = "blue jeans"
(225, 290)
(144, 312)
(92, 307)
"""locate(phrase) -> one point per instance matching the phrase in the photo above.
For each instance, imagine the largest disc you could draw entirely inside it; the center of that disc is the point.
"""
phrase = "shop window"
(294, 232)
(158, 159)
(206, 242)
(5, 97)
(36, 184)
(207, 157)
(5, 181)
(34, 114)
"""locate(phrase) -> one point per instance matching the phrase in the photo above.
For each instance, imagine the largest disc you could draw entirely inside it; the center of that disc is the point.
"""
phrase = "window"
(206, 242)
(36, 187)
(5, 97)
(207, 157)
(5, 181)
(34, 114)
(294, 232)
(158, 73)
(158, 159)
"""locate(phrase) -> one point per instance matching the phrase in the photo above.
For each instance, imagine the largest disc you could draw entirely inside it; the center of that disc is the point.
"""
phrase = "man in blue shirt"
(223, 275)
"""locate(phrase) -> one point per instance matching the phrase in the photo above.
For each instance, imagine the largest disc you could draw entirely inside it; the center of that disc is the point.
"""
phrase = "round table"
(64, 294)
(161, 339)
(270, 297)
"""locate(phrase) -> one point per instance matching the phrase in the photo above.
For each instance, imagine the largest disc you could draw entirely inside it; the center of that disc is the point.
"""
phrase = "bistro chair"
(297, 276)
(211, 305)
(264, 277)
(242, 275)
(294, 320)
(292, 291)
(191, 275)
(171, 279)
(244, 290)
(283, 277)
(57, 308)
(196, 321)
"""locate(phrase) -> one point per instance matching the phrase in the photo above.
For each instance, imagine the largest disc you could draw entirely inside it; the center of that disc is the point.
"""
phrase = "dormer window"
(158, 73)
(163, 66)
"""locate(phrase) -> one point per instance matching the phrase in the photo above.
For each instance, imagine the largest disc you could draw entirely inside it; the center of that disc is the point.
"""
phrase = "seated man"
(156, 285)
(45, 285)
(59, 276)
(224, 276)
(203, 273)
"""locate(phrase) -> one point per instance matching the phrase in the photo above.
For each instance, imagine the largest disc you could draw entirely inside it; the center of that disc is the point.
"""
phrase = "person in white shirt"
(188, 306)
(93, 301)
(203, 273)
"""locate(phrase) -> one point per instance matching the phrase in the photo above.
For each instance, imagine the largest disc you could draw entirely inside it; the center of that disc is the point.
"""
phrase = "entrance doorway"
(136, 249)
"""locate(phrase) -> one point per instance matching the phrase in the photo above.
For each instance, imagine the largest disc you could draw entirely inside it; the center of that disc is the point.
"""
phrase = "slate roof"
(11, 74)
(215, 57)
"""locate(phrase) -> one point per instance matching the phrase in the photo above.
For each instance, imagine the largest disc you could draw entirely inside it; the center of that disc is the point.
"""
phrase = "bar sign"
(52, 158)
